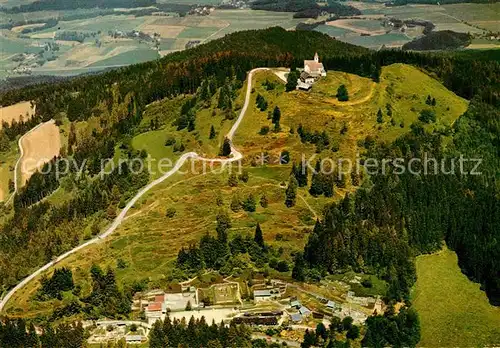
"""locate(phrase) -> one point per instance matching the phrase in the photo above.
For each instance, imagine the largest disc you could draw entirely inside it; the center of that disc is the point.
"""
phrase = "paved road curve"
(118, 220)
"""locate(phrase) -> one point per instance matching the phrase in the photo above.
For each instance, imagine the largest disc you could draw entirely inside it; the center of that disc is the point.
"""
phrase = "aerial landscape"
(236, 173)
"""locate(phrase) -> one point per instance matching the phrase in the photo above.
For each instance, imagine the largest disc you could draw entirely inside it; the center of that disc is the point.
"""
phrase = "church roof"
(313, 65)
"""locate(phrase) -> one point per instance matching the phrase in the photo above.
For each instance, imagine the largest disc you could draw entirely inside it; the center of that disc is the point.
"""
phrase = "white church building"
(314, 67)
(312, 71)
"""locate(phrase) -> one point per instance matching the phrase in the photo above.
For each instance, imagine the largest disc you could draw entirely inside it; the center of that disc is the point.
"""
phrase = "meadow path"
(236, 156)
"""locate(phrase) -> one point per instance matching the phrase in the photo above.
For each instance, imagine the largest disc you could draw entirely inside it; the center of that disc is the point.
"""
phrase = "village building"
(296, 317)
(265, 295)
(332, 305)
(134, 339)
(158, 307)
(305, 312)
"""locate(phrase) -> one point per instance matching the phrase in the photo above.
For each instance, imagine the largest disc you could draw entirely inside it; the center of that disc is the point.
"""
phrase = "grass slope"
(453, 311)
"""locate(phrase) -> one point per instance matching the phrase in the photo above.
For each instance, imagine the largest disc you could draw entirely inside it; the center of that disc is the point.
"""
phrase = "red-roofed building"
(155, 307)
(159, 298)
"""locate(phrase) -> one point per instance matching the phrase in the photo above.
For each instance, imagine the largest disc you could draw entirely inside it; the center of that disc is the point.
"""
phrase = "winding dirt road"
(236, 156)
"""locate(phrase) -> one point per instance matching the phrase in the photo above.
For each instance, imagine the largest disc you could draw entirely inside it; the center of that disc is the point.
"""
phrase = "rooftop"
(314, 66)
(159, 298)
(296, 317)
(262, 293)
(133, 338)
(155, 306)
(303, 310)
(331, 304)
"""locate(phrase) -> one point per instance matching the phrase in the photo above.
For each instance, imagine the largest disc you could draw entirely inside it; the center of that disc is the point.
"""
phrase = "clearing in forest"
(39, 147)
(20, 111)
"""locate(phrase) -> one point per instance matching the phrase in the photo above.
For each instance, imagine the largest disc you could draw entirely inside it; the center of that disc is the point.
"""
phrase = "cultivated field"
(107, 40)
(367, 30)
(454, 311)
(39, 147)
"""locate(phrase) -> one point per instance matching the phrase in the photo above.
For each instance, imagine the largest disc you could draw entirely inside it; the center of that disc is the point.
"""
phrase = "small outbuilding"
(304, 311)
(296, 317)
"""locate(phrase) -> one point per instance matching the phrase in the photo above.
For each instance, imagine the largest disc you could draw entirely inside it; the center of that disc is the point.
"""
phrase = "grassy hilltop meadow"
(410, 240)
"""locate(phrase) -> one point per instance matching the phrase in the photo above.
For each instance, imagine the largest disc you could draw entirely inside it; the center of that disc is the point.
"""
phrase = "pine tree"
(276, 115)
(302, 174)
(291, 192)
(316, 188)
(223, 224)
(342, 93)
(291, 80)
(428, 101)
(299, 268)
(225, 148)
(235, 203)
(212, 132)
(249, 204)
(380, 116)
(389, 109)
(258, 237)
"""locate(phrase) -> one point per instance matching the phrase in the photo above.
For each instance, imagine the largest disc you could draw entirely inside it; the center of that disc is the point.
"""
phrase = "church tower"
(316, 57)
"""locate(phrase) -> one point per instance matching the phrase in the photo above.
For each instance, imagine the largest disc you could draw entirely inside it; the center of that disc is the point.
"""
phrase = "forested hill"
(182, 72)
(439, 40)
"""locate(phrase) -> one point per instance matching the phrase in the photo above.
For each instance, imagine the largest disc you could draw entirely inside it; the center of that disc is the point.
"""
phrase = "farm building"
(307, 78)
(295, 304)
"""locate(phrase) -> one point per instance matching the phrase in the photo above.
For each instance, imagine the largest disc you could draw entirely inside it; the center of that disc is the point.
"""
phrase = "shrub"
(427, 116)
(170, 212)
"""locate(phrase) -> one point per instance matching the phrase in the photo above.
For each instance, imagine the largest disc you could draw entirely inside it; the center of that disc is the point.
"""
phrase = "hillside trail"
(362, 100)
(236, 156)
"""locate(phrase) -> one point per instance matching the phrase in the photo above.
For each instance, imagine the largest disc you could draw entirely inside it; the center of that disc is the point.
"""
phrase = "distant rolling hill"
(439, 40)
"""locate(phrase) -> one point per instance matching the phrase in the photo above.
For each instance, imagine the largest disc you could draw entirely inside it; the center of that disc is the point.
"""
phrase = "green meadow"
(454, 311)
